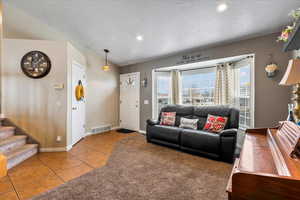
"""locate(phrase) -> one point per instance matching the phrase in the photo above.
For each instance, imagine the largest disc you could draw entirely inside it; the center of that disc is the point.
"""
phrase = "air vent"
(100, 129)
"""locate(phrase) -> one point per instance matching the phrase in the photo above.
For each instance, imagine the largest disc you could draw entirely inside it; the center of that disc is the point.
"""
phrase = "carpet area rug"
(139, 170)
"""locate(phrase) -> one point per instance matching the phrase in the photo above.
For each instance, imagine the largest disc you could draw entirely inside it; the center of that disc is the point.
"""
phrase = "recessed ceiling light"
(222, 6)
(140, 38)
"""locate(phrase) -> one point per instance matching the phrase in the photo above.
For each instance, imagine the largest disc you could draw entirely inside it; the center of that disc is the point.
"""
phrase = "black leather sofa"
(220, 146)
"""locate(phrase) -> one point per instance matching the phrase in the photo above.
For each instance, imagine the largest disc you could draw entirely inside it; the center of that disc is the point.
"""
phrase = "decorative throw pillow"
(215, 124)
(168, 118)
(188, 123)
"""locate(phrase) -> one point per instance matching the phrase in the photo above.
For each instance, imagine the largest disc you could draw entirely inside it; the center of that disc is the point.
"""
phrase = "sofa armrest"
(232, 132)
(228, 139)
(152, 122)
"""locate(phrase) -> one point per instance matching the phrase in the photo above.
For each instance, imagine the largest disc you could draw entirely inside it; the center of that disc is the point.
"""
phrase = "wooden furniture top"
(271, 151)
(269, 165)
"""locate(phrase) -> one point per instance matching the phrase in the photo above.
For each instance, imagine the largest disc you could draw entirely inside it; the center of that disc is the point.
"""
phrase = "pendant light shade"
(106, 66)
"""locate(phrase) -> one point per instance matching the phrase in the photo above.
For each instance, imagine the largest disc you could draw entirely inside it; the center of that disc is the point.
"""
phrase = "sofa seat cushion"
(165, 133)
(200, 140)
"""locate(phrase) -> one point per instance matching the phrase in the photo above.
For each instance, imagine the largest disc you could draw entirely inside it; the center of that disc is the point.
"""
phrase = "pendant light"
(106, 66)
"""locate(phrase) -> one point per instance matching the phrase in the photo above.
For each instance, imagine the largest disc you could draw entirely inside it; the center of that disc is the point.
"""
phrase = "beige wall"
(270, 99)
(34, 104)
(102, 93)
(102, 87)
(1, 41)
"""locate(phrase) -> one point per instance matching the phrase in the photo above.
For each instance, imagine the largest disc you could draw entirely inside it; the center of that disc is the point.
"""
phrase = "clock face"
(35, 64)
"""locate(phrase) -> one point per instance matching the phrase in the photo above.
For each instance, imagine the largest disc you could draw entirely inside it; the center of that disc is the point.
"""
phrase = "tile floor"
(45, 171)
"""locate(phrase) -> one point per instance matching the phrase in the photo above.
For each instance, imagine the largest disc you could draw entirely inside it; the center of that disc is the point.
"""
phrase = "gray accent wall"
(270, 99)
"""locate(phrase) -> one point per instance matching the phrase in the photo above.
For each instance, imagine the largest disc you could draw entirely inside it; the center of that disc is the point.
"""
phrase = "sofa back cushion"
(188, 123)
(168, 118)
(181, 111)
(215, 124)
(201, 113)
(224, 111)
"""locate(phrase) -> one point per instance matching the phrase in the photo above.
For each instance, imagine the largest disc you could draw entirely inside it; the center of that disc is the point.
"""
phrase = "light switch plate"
(58, 139)
(146, 102)
(58, 86)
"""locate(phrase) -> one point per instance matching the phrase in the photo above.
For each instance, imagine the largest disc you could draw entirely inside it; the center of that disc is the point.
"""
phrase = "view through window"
(163, 90)
(243, 94)
(198, 86)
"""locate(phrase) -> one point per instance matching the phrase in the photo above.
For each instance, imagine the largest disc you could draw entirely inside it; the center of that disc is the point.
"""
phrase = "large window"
(198, 86)
(243, 93)
(162, 90)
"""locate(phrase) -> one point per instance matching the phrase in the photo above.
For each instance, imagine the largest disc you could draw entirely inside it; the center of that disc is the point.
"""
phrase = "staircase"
(14, 146)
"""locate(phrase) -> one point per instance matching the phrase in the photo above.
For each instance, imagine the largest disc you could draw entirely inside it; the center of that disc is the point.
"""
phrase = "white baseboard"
(88, 133)
(111, 129)
(56, 149)
(115, 128)
(69, 147)
(142, 132)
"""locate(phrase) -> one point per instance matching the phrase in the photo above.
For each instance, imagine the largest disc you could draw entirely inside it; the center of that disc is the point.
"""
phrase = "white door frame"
(72, 93)
(139, 97)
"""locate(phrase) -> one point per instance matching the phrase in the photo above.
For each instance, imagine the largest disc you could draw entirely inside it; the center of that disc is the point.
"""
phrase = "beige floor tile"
(95, 160)
(53, 156)
(9, 196)
(5, 185)
(49, 181)
(30, 173)
(77, 148)
(63, 163)
(28, 194)
(88, 151)
(69, 174)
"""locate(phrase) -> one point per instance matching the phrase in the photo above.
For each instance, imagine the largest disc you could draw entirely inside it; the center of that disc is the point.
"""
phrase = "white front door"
(78, 106)
(130, 101)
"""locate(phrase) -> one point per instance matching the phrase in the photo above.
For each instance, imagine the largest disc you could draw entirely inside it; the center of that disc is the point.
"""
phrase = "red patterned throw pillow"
(168, 118)
(215, 124)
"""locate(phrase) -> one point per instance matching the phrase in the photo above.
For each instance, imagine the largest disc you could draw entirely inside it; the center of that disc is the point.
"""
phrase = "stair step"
(17, 155)
(12, 142)
(6, 132)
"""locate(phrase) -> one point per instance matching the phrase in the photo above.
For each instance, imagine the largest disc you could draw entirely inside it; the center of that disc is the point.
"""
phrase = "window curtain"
(224, 88)
(176, 87)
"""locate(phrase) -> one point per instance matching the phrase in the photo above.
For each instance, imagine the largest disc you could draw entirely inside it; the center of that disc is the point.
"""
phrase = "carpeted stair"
(15, 147)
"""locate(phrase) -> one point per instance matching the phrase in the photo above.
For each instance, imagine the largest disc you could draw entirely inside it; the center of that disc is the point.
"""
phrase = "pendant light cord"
(106, 52)
(106, 58)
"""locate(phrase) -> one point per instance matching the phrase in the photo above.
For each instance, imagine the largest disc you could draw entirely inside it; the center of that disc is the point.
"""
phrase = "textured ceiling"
(168, 26)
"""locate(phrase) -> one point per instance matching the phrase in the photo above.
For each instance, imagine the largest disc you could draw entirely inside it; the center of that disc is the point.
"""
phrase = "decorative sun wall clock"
(35, 64)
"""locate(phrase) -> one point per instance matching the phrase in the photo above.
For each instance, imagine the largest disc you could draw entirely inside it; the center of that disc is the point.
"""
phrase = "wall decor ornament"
(286, 32)
(186, 59)
(79, 91)
(35, 64)
(130, 81)
(272, 68)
